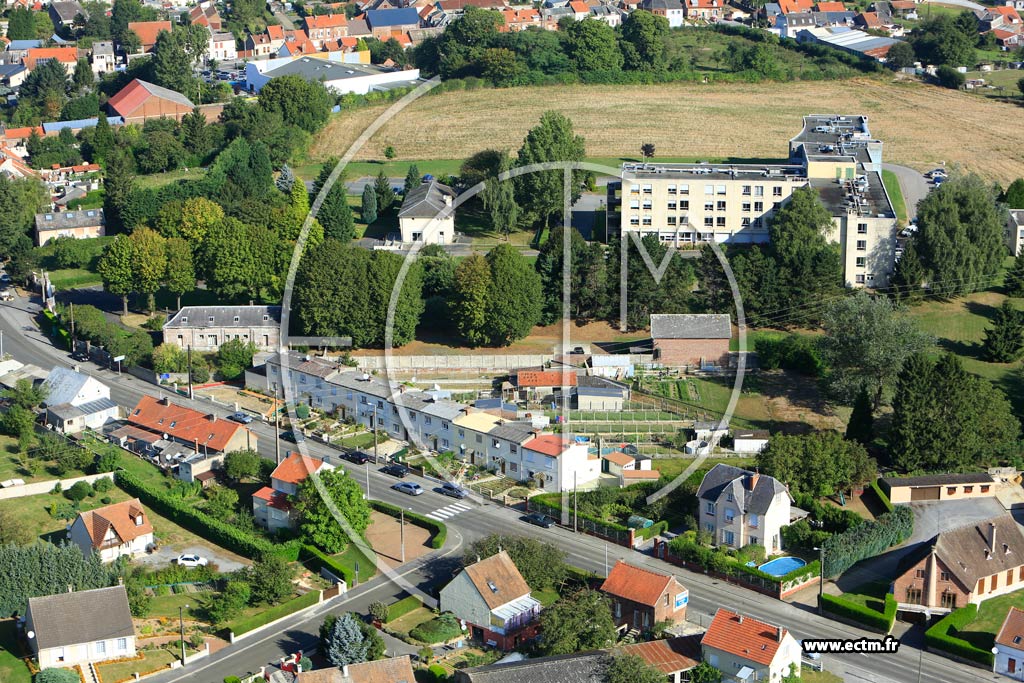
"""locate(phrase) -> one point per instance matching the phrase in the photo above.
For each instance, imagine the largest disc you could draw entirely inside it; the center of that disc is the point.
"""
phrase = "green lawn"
(363, 440)
(351, 555)
(870, 594)
(409, 621)
(92, 200)
(73, 278)
(31, 512)
(167, 605)
(1006, 78)
(12, 668)
(892, 187)
(155, 180)
(392, 169)
(809, 676)
(152, 661)
(673, 467)
(546, 596)
(11, 467)
(982, 631)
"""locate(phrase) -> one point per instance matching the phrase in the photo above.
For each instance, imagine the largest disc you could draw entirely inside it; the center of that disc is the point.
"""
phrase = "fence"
(36, 488)
(459, 363)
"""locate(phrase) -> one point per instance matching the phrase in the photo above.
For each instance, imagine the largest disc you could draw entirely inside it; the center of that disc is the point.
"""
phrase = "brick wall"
(691, 351)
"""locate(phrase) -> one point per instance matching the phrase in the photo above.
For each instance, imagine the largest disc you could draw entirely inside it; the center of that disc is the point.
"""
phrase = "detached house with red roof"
(271, 505)
(141, 100)
(494, 600)
(542, 385)
(118, 530)
(148, 31)
(67, 56)
(641, 598)
(745, 649)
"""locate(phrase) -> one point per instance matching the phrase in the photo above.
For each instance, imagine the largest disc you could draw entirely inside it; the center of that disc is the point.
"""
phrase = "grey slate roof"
(426, 200)
(66, 411)
(517, 432)
(358, 27)
(444, 409)
(103, 47)
(224, 316)
(165, 93)
(581, 667)
(66, 11)
(691, 326)
(963, 550)
(81, 617)
(940, 479)
(596, 382)
(65, 220)
(316, 69)
(726, 477)
(660, 5)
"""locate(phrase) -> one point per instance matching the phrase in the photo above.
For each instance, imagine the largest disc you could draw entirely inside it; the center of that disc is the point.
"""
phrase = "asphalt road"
(586, 552)
(913, 184)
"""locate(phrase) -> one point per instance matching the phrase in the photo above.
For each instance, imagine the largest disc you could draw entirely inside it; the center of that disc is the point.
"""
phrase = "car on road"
(453, 491)
(240, 417)
(537, 519)
(810, 655)
(357, 457)
(192, 560)
(411, 488)
(395, 470)
(293, 436)
(5, 278)
(935, 172)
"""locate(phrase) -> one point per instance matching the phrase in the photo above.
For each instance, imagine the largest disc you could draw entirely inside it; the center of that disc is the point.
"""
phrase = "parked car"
(293, 436)
(411, 488)
(5, 278)
(240, 417)
(938, 180)
(935, 172)
(538, 519)
(449, 489)
(192, 561)
(395, 470)
(7, 295)
(357, 457)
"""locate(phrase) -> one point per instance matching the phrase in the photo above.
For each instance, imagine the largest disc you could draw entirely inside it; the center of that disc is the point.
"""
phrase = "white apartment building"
(688, 204)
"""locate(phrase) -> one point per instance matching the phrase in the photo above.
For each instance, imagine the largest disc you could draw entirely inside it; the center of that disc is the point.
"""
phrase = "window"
(871, 277)
(861, 262)
(746, 206)
(729, 497)
(209, 319)
(919, 573)
(101, 647)
(730, 538)
(647, 189)
(671, 189)
(462, 433)
(709, 206)
(513, 467)
(684, 205)
(950, 490)
(647, 204)
(684, 189)
(635, 189)
(746, 190)
(512, 448)
(634, 220)
(495, 443)
(759, 190)
(730, 515)
(862, 245)
(444, 443)
(745, 222)
(968, 489)
(754, 521)
(720, 221)
(944, 576)
(719, 189)
(860, 279)
(672, 206)
(1009, 576)
(236, 319)
(671, 220)
(710, 528)
(984, 488)
(709, 221)
(753, 540)
(777, 191)
(479, 438)
(758, 207)
(427, 420)
(862, 228)
(709, 189)
(122, 644)
(914, 596)
(266, 318)
(710, 508)
(634, 204)
(720, 206)
(647, 220)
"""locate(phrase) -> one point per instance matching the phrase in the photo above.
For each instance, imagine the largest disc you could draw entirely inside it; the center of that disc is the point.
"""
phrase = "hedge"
(436, 631)
(938, 636)
(844, 550)
(198, 522)
(554, 502)
(652, 531)
(716, 560)
(315, 560)
(873, 619)
(276, 612)
(886, 503)
(403, 607)
(438, 530)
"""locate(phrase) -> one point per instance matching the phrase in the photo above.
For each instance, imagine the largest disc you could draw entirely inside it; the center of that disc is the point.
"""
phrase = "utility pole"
(189, 361)
(72, 310)
(606, 559)
(373, 428)
(277, 425)
(574, 502)
(181, 627)
(402, 511)
(1, 344)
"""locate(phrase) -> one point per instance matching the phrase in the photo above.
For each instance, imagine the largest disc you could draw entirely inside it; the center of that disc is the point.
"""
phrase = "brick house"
(745, 649)
(704, 10)
(641, 598)
(140, 100)
(691, 339)
(493, 599)
(672, 10)
(968, 564)
(271, 505)
(740, 508)
(148, 31)
(325, 27)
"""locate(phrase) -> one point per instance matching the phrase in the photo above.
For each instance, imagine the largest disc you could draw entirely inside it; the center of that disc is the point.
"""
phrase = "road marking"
(448, 511)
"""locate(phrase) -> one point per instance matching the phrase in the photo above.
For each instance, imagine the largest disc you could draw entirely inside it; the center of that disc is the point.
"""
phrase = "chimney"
(739, 618)
(779, 633)
(344, 671)
(992, 536)
(447, 200)
(752, 481)
(71, 589)
(212, 417)
(165, 401)
(120, 581)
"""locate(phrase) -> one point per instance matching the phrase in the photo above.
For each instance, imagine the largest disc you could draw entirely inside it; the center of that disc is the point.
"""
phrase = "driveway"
(166, 555)
(913, 184)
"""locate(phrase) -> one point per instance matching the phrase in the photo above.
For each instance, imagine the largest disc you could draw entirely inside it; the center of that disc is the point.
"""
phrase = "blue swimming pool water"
(781, 566)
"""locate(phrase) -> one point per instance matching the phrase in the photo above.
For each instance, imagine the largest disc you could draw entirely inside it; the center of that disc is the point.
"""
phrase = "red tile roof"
(1012, 628)
(789, 6)
(669, 655)
(870, 19)
(22, 133)
(546, 378)
(619, 458)
(744, 637)
(548, 444)
(831, 7)
(324, 21)
(295, 468)
(641, 474)
(579, 7)
(274, 499)
(275, 32)
(633, 583)
(119, 516)
(147, 31)
(1010, 13)
(64, 55)
(183, 423)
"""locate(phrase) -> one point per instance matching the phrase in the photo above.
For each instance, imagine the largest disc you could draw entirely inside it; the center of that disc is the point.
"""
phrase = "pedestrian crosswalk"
(447, 511)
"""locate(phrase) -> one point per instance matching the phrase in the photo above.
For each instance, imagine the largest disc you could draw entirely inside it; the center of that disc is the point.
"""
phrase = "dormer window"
(1006, 549)
(138, 521)
(236, 319)
(49, 217)
(184, 319)
(210, 319)
(492, 586)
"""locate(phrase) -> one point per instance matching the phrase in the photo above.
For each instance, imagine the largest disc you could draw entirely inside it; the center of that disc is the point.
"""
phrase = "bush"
(873, 619)
(938, 636)
(163, 590)
(438, 529)
(105, 500)
(654, 530)
(868, 539)
(378, 610)
(437, 673)
(232, 679)
(78, 492)
(948, 77)
(268, 615)
(798, 352)
(437, 630)
(886, 503)
(399, 609)
(103, 484)
(56, 676)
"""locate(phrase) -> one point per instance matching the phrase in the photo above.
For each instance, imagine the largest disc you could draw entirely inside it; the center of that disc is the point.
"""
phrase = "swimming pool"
(781, 566)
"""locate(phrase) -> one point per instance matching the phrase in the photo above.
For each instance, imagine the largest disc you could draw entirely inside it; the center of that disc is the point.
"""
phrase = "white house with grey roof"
(739, 508)
(76, 401)
(80, 627)
(205, 328)
(341, 77)
(427, 214)
(77, 224)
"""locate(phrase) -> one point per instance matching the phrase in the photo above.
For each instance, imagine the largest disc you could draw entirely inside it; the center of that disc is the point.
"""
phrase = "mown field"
(921, 125)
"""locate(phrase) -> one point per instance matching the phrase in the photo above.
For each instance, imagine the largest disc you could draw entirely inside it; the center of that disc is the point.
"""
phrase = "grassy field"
(1007, 78)
(92, 200)
(673, 467)
(903, 115)
(982, 631)
(72, 278)
(892, 187)
(10, 464)
(160, 179)
(152, 661)
(12, 668)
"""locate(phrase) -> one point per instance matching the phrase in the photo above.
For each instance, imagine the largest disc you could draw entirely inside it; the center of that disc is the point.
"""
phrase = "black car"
(395, 470)
(293, 436)
(538, 519)
(449, 489)
(356, 457)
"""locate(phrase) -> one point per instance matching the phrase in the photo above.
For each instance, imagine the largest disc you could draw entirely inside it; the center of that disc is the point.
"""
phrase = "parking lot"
(167, 554)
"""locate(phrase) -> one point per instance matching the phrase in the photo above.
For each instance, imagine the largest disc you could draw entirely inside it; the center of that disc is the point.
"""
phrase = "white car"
(192, 561)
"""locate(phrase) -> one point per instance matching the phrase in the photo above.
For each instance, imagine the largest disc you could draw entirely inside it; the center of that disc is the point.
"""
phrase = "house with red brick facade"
(139, 101)
(968, 564)
(494, 600)
(691, 339)
(641, 598)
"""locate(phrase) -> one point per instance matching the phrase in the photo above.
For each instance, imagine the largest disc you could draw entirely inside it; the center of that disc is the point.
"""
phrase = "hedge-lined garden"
(940, 637)
(399, 609)
(722, 561)
(438, 530)
(250, 623)
(873, 619)
(844, 550)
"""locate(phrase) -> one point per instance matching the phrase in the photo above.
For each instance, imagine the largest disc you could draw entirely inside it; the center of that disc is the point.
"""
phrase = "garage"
(925, 493)
(934, 487)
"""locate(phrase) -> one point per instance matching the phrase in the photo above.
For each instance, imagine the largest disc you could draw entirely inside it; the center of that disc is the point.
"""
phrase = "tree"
(117, 268)
(21, 24)
(195, 135)
(513, 298)
(83, 77)
(1014, 195)
(542, 564)
(630, 668)
(240, 260)
(959, 236)
(79, 492)
(860, 428)
(172, 62)
(334, 213)
(389, 153)
(939, 40)
(948, 77)
(866, 341)
(499, 200)
(306, 104)
(244, 464)
(181, 271)
(591, 46)
(540, 193)
(233, 357)
(670, 294)
(471, 304)
(819, 463)
(316, 515)
(369, 204)
(1020, 86)
(647, 150)
(20, 199)
(378, 610)
(581, 621)
(25, 394)
(269, 579)
(346, 644)
(1013, 283)
(909, 276)
(46, 569)
(900, 55)
(118, 186)
(705, 673)
(221, 502)
(644, 42)
(149, 251)
(412, 179)
(385, 195)
(229, 603)
(46, 87)
(198, 216)
(1004, 341)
